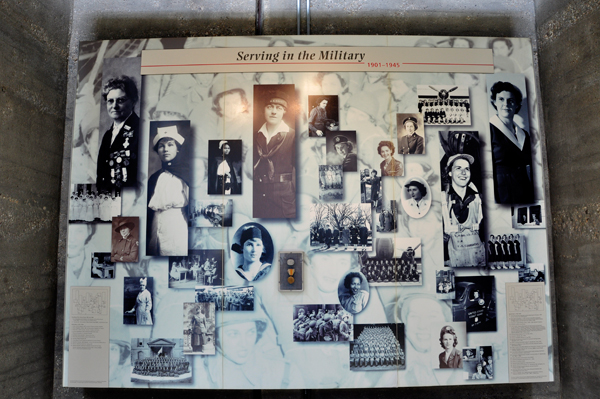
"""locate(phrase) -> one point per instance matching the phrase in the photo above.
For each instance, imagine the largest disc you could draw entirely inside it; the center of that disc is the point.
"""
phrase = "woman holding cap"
(411, 142)
(252, 248)
(168, 196)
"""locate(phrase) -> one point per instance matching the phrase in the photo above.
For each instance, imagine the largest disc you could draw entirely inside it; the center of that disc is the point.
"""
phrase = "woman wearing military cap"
(411, 142)
(126, 248)
(346, 149)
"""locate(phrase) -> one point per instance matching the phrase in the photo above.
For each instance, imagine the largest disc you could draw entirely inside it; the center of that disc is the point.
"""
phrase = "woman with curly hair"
(390, 166)
(354, 299)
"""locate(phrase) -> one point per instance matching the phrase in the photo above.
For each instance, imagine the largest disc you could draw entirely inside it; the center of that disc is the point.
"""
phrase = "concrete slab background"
(38, 55)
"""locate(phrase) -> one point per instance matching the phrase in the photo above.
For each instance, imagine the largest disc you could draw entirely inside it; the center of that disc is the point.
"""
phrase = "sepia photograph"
(88, 205)
(168, 188)
(341, 227)
(410, 133)
(451, 337)
(200, 267)
(160, 360)
(506, 251)
(125, 239)
(322, 323)
(392, 164)
(274, 152)
(475, 302)
(331, 182)
(137, 301)
(416, 197)
(388, 218)
(217, 212)
(102, 266)
(252, 251)
(323, 116)
(478, 363)
(444, 104)
(341, 150)
(224, 167)
(231, 298)
(353, 291)
(378, 347)
(371, 189)
(445, 286)
(199, 328)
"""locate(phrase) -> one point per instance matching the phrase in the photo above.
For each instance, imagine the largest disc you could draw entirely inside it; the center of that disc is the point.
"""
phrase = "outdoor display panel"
(330, 212)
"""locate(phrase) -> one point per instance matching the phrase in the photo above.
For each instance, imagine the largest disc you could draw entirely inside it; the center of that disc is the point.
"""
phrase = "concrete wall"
(34, 37)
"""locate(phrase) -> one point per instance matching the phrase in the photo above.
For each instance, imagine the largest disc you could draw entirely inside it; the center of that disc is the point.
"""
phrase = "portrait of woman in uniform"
(137, 298)
(125, 239)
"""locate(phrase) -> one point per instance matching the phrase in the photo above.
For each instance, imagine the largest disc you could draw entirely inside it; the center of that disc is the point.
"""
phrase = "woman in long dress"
(143, 305)
(168, 197)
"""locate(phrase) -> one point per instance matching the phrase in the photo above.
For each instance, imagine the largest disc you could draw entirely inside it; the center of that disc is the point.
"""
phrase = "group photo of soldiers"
(88, 205)
(200, 267)
(444, 105)
(391, 271)
(331, 182)
(227, 298)
(161, 366)
(377, 347)
(341, 227)
(322, 323)
(159, 360)
(212, 213)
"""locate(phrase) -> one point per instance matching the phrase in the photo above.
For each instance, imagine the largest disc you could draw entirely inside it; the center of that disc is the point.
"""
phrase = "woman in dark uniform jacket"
(511, 148)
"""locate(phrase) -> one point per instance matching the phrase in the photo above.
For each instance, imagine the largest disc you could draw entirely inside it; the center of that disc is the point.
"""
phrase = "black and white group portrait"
(125, 244)
(331, 182)
(217, 212)
(252, 252)
(510, 139)
(322, 323)
(117, 162)
(230, 298)
(342, 150)
(137, 301)
(444, 104)
(451, 337)
(391, 165)
(410, 132)
(387, 217)
(160, 360)
(225, 167)
(323, 115)
(88, 205)
(200, 267)
(274, 152)
(475, 302)
(416, 197)
(529, 216)
(371, 189)
(353, 291)
(102, 266)
(506, 251)
(462, 205)
(341, 227)
(393, 270)
(199, 328)
(478, 363)
(445, 286)
(168, 188)
(378, 347)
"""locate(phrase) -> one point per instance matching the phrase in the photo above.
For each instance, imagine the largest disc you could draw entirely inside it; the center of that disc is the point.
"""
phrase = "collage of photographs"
(394, 208)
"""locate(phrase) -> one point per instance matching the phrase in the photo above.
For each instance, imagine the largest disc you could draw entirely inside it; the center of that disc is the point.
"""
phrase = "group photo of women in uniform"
(377, 347)
(88, 205)
(506, 251)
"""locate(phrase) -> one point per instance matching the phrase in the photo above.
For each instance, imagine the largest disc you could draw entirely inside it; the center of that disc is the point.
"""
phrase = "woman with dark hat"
(346, 150)
(252, 248)
(411, 142)
(127, 247)
(168, 196)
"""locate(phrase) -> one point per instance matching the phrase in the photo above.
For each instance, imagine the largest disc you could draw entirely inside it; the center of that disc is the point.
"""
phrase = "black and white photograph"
(408, 252)
(512, 163)
(341, 149)
(411, 134)
(199, 328)
(388, 218)
(389, 272)
(168, 188)
(506, 250)
(341, 227)
(88, 205)
(224, 167)
(217, 212)
(416, 197)
(200, 267)
(125, 243)
(371, 189)
(252, 252)
(475, 302)
(274, 152)
(378, 347)
(529, 216)
(137, 301)
(532, 273)
(462, 205)
(445, 285)
(230, 298)
(160, 360)
(353, 291)
(478, 363)
(392, 164)
(117, 162)
(102, 266)
(322, 323)
(444, 104)
(331, 183)
(323, 115)
(447, 341)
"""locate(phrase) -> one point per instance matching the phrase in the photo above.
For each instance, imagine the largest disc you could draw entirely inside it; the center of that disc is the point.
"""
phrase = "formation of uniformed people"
(91, 206)
(162, 366)
(376, 346)
(326, 234)
(227, 299)
(505, 252)
(444, 112)
(390, 270)
(329, 326)
(330, 177)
